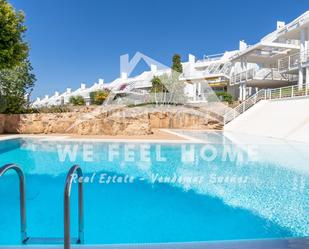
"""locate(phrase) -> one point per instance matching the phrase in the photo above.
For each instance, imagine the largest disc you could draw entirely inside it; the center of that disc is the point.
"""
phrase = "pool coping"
(62, 137)
(287, 243)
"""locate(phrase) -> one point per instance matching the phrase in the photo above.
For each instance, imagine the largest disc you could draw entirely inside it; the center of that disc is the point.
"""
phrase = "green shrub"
(54, 109)
(16, 77)
(98, 97)
(48, 109)
(77, 100)
(224, 96)
(15, 85)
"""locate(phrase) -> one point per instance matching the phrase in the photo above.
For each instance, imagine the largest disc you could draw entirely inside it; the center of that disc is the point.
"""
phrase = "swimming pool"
(139, 192)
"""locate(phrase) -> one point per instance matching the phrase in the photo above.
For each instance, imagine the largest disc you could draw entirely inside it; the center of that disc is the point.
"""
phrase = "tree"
(13, 50)
(77, 100)
(177, 66)
(16, 77)
(168, 89)
(157, 86)
(15, 86)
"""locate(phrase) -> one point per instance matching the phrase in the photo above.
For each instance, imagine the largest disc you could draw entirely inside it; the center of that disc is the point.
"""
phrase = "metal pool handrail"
(22, 197)
(67, 194)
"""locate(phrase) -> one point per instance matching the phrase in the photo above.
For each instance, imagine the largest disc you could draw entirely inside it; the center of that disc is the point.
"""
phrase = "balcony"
(263, 74)
(214, 70)
(292, 62)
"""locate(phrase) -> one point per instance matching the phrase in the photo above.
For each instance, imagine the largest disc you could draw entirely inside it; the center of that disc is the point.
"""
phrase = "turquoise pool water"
(161, 192)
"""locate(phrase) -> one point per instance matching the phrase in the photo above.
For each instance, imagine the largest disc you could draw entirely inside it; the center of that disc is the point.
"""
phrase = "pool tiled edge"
(289, 243)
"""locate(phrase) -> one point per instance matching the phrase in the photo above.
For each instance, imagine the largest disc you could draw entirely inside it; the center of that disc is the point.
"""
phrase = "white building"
(280, 58)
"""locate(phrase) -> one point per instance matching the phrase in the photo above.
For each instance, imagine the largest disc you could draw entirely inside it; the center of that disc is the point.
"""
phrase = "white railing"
(267, 94)
(129, 87)
(248, 103)
(305, 56)
(214, 69)
(288, 92)
(243, 76)
(293, 61)
(211, 57)
(259, 74)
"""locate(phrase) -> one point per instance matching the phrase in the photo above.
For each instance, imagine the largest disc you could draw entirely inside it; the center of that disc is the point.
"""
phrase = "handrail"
(67, 194)
(293, 61)
(259, 74)
(245, 105)
(276, 93)
(22, 197)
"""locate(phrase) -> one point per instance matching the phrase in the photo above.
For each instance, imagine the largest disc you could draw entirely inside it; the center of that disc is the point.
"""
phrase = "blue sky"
(74, 41)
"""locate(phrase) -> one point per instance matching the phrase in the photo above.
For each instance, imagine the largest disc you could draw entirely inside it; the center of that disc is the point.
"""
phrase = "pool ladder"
(67, 193)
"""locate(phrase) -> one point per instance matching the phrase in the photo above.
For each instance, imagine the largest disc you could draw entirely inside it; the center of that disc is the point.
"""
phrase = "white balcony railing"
(213, 57)
(260, 74)
(293, 61)
(215, 69)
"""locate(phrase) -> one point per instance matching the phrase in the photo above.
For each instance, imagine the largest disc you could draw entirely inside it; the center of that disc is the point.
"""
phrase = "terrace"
(291, 63)
(261, 77)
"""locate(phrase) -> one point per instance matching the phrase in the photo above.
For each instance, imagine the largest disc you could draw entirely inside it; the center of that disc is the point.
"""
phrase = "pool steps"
(66, 240)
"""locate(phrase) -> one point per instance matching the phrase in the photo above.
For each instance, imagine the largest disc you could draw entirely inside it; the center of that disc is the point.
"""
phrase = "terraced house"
(279, 59)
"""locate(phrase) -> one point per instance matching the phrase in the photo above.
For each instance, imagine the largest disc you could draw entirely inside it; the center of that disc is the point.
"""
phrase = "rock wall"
(176, 119)
(116, 121)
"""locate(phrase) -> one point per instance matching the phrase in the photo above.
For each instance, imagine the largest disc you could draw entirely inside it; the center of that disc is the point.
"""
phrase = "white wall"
(285, 119)
(233, 90)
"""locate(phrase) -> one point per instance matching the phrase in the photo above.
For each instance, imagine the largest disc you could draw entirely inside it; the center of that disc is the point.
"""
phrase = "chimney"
(191, 58)
(56, 93)
(38, 99)
(153, 68)
(280, 24)
(82, 86)
(46, 97)
(124, 75)
(101, 81)
(69, 90)
(242, 45)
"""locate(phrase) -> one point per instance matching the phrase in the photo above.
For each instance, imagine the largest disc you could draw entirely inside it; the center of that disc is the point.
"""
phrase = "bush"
(15, 85)
(77, 100)
(48, 109)
(224, 96)
(98, 97)
(54, 109)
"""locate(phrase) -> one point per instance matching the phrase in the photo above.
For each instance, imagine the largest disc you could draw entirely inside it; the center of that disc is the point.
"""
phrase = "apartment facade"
(279, 59)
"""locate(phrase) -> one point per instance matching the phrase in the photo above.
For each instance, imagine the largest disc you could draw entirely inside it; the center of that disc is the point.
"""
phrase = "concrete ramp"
(284, 118)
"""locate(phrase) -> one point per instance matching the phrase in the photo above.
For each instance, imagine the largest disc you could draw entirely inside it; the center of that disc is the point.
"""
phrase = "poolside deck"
(158, 134)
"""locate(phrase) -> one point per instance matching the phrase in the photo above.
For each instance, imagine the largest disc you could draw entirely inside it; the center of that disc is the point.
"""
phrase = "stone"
(107, 120)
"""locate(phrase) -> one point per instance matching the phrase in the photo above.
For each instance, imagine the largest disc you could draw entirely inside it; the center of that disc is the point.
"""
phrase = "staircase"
(266, 94)
(244, 106)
